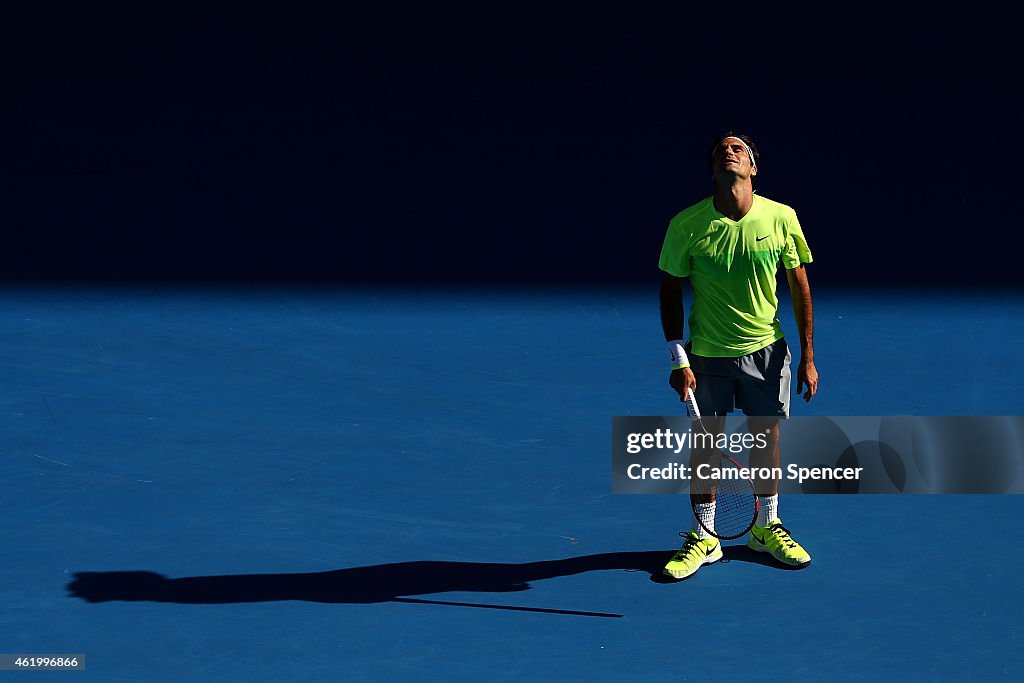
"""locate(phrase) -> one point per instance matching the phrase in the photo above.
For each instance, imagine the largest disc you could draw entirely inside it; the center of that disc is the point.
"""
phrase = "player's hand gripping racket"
(726, 481)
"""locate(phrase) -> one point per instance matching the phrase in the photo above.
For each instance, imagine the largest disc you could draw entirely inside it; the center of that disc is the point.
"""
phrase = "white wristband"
(677, 355)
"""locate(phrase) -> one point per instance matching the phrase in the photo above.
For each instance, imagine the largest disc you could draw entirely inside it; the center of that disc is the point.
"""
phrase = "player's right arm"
(671, 298)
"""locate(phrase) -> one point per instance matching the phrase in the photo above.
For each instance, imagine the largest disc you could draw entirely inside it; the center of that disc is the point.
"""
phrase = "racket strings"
(736, 503)
(735, 508)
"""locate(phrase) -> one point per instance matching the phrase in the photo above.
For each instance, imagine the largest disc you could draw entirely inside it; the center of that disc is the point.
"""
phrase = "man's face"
(731, 159)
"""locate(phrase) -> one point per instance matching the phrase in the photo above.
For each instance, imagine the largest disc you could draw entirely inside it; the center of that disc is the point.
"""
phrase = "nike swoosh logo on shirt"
(761, 238)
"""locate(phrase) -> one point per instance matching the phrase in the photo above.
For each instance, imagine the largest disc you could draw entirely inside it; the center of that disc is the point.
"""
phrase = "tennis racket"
(726, 482)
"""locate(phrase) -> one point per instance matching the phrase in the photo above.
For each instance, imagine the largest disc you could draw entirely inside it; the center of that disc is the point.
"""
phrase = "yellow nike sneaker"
(695, 553)
(775, 539)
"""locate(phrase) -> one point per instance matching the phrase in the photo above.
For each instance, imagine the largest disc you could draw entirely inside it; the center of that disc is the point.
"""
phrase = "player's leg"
(763, 395)
(714, 397)
(703, 464)
(765, 461)
(699, 547)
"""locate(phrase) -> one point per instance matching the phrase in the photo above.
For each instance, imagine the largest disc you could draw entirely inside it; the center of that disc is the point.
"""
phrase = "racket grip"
(691, 403)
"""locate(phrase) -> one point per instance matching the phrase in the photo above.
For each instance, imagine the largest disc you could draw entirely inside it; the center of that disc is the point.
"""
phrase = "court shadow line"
(397, 582)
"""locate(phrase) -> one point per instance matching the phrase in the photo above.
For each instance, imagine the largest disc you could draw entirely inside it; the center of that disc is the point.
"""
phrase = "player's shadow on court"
(378, 583)
(741, 553)
(733, 553)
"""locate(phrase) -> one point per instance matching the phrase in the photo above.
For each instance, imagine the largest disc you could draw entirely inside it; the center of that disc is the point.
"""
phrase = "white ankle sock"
(704, 512)
(768, 509)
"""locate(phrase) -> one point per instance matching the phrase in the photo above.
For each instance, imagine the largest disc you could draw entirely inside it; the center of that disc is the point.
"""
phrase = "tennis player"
(730, 246)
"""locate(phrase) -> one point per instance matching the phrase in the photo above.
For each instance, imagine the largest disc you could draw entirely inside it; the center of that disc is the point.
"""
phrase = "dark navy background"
(449, 145)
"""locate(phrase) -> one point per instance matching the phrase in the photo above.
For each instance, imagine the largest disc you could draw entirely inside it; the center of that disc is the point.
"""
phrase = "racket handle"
(691, 403)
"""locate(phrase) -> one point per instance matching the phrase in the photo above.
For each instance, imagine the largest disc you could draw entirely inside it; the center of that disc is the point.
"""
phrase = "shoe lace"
(689, 545)
(782, 533)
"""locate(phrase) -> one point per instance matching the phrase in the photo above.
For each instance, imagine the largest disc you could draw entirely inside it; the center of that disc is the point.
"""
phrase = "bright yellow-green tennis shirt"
(732, 266)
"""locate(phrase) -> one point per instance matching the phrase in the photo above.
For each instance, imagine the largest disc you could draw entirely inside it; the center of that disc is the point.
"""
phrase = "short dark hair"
(733, 134)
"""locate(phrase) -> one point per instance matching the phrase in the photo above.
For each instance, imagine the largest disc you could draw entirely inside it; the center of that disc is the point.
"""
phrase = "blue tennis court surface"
(299, 484)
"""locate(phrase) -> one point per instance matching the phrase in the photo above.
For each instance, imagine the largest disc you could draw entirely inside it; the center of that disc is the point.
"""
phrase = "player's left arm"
(800, 292)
